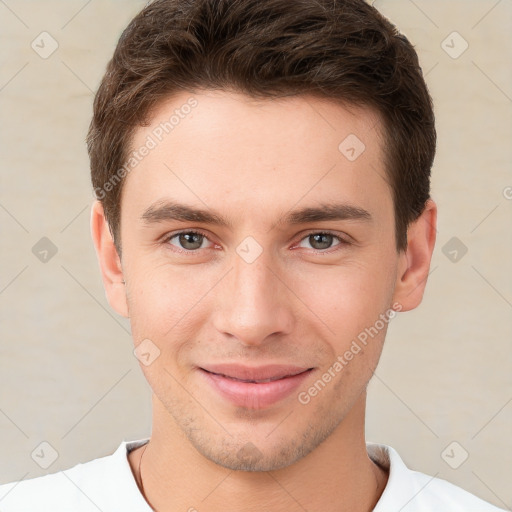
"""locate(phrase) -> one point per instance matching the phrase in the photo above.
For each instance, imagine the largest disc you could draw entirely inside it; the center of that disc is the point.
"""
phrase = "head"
(304, 132)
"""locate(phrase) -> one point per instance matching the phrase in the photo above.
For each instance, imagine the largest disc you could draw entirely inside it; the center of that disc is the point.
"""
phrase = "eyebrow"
(163, 211)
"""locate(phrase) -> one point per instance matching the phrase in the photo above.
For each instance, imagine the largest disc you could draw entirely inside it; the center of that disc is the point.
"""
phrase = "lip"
(271, 371)
(254, 387)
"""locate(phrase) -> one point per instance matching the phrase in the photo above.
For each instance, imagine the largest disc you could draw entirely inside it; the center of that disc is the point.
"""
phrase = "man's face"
(260, 290)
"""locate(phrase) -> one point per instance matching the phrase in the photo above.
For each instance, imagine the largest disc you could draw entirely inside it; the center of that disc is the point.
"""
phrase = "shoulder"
(100, 484)
(413, 491)
(439, 494)
(56, 491)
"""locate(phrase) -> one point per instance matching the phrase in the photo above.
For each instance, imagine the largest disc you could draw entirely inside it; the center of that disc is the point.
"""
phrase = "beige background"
(68, 375)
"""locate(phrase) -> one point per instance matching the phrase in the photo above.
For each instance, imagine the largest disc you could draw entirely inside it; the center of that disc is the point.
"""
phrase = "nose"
(254, 302)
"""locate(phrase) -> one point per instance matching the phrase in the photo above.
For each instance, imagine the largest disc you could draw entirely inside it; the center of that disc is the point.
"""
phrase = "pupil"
(190, 238)
(324, 244)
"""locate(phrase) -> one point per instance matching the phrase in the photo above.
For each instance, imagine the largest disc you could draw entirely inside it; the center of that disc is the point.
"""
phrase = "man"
(262, 172)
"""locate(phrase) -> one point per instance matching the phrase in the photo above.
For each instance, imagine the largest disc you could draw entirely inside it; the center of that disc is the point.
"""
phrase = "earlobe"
(109, 261)
(414, 264)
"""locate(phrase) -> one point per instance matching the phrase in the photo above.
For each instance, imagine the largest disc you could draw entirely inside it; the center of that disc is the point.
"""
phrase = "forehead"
(228, 150)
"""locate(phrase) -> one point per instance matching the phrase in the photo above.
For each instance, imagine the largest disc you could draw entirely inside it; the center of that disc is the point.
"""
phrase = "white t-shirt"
(107, 484)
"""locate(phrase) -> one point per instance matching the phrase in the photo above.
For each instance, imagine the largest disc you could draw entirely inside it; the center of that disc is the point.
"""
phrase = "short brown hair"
(343, 50)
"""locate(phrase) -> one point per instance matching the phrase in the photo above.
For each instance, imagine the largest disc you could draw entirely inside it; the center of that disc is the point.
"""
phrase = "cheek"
(350, 297)
(160, 297)
(163, 322)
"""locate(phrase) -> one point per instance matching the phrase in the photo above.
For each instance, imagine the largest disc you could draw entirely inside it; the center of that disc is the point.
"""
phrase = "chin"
(253, 451)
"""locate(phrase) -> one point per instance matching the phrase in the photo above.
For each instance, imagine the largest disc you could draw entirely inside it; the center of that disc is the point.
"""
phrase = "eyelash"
(342, 241)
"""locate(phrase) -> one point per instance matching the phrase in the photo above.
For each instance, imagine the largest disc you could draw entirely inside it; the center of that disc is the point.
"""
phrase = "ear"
(110, 263)
(414, 264)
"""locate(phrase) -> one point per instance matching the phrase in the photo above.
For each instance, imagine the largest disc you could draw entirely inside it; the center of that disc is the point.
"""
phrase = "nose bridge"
(254, 302)
(253, 281)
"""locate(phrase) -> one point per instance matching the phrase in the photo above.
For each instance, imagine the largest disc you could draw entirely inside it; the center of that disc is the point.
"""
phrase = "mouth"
(265, 373)
(254, 387)
(272, 379)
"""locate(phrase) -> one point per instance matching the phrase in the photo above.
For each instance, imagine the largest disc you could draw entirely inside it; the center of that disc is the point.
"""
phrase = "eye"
(320, 241)
(187, 240)
(192, 241)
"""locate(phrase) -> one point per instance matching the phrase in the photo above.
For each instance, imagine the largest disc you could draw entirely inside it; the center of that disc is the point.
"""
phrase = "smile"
(259, 390)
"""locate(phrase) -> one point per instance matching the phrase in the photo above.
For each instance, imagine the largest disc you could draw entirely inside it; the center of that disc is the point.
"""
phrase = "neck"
(337, 476)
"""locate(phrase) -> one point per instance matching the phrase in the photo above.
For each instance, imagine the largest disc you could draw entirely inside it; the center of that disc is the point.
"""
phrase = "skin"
(298, 303)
